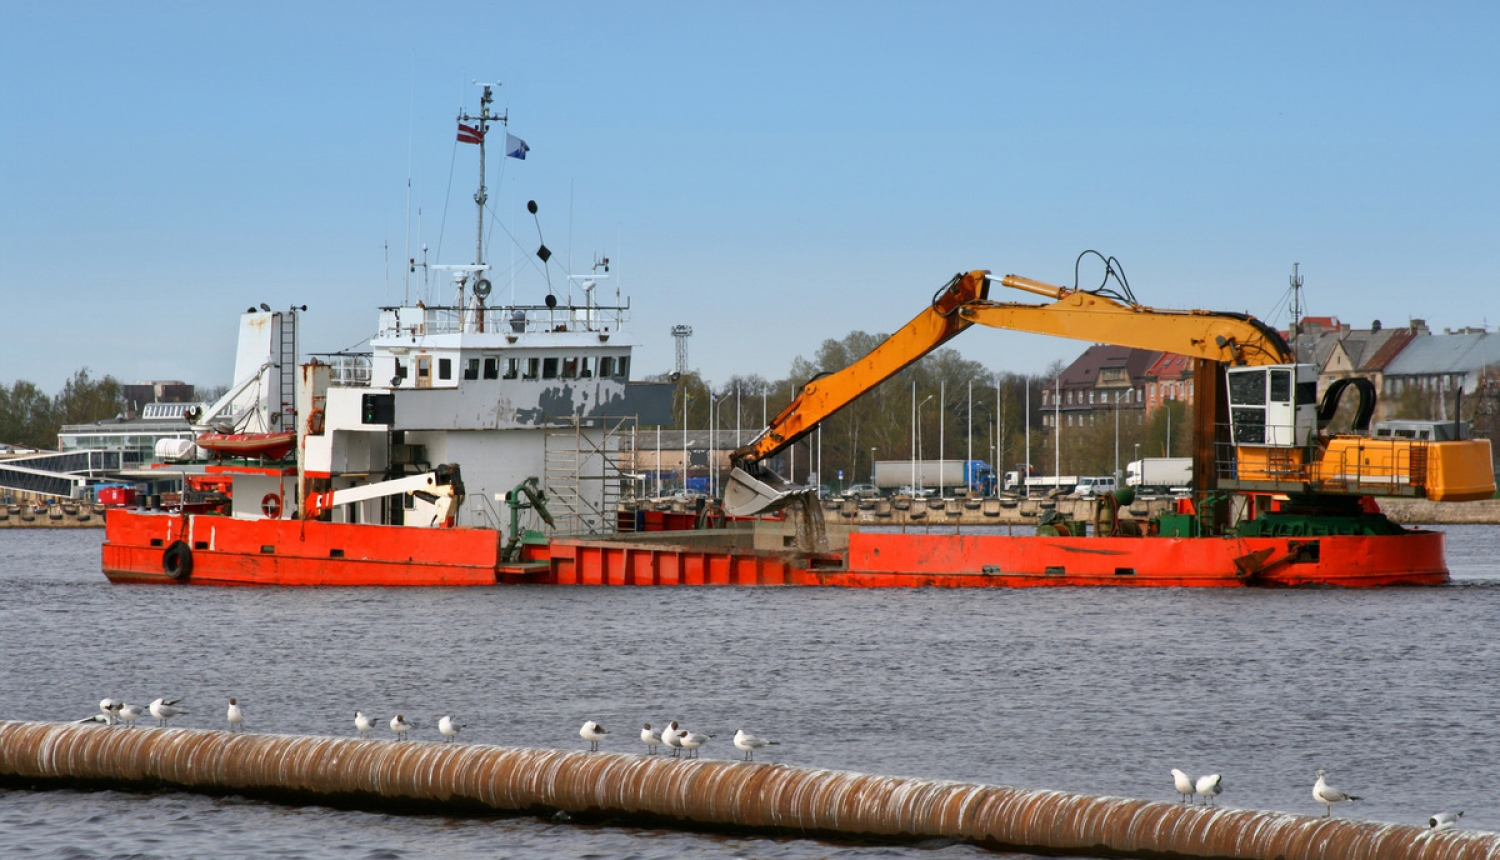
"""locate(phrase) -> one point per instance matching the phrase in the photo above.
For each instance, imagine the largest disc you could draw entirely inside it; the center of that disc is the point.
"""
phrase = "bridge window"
(512, 368)
(533, 368)
(570, 367)
(471, 368)
(607, 366)
(445, 368)
(549, 368)
(622, 366)
(586, 367)
(492, 367)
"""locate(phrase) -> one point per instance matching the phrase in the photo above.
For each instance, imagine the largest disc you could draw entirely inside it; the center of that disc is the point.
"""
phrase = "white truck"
(1160, 475)
(1017, 482)
(940, 476)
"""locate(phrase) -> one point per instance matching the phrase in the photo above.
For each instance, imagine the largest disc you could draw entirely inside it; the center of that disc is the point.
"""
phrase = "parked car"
(917, 492)
(862, 491)
(1088, 488)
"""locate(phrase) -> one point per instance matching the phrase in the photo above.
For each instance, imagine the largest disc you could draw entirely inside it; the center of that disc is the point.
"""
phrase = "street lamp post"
(872, 465)
(917, 429)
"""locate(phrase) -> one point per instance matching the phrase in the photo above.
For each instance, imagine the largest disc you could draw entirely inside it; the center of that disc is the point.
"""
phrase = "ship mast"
(482, 124)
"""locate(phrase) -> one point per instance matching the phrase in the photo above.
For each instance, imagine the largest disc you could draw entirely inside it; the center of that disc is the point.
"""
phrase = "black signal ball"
(531, 206)
(551, 301)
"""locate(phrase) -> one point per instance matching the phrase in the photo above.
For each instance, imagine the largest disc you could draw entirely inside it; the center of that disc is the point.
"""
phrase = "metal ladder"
(285, 416)
(583, 477)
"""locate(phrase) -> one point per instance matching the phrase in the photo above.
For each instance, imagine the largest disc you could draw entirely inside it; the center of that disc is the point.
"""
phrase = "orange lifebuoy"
(271, 506)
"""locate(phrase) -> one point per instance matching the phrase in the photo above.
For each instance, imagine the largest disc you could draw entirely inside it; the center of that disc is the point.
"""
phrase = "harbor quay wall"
(421, 776)
(35, 513)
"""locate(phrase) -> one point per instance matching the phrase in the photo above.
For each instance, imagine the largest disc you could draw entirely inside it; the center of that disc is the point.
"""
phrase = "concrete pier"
(696, 793)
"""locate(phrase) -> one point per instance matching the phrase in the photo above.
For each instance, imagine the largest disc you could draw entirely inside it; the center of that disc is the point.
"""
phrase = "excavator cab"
(1273, 405)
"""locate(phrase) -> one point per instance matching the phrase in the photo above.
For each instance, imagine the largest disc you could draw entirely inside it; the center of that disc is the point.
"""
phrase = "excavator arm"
(1219, 337)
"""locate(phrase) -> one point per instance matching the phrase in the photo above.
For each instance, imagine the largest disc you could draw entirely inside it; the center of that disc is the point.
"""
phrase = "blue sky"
(772, 174)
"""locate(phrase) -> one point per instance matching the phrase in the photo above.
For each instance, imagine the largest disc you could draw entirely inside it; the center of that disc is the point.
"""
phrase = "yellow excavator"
(1258, 428)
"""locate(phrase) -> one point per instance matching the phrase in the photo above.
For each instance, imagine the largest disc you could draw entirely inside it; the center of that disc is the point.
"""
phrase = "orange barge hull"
(226, 551)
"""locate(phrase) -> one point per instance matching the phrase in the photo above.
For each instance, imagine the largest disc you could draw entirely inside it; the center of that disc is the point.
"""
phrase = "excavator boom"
(964, 301)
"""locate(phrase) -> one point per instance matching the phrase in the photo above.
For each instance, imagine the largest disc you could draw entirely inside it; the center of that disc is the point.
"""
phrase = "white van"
(1090, 487)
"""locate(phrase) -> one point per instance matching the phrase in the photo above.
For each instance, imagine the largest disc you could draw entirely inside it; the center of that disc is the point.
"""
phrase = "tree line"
(30, 418)
(992, 425)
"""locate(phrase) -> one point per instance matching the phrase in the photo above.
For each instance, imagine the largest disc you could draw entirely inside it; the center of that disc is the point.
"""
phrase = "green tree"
(27, 416)
(84, 400)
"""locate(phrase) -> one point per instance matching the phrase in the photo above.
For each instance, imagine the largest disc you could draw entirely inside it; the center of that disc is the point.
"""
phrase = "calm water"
(1393, 692)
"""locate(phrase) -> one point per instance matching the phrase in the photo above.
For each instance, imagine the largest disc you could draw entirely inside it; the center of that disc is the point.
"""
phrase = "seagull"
(593, 733)
(1444, 820)
(236, 716)
(131, 713)
(1328, 795)
(163, 710)
(691, 741)
(96, 718)
(1185, 785)
(650, 738)
(364, 724)
(449, 727)
(672, 738)
(400, 726)
(1210, 786)
(110, 708)
(748, 743)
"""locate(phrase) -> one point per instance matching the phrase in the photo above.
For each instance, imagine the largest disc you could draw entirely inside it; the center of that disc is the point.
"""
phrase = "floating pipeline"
(699, 794)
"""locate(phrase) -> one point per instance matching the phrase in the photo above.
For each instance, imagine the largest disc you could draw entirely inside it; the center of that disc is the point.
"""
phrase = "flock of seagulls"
(1212, 785)
(117, 712)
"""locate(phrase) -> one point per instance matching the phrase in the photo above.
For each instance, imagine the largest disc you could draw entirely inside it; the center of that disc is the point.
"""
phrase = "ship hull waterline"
(228, 551)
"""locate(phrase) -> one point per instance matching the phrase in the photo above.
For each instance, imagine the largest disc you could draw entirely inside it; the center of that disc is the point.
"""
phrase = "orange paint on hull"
(874, 560)
(226, 551)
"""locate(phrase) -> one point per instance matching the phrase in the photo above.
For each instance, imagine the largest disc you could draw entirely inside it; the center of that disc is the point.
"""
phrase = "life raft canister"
(177, 560)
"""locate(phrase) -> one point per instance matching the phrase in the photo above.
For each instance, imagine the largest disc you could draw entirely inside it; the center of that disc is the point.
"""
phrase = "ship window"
(512, 368)
(622, 366)
(585, 367)
(1281, 386)
(607, 366)
(570, 367)
(533, 368)
(549, 368)
(445, 368)
(1248, 388)
(1307, 393)
(492, 367)
(471, 368)
(1249, 426)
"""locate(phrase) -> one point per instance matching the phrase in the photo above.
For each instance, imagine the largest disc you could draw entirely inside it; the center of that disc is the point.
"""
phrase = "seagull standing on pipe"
(1185, 784)
(593, 733)
(1210, 786)
(165, 709)
(650, 738)
(1329, 796)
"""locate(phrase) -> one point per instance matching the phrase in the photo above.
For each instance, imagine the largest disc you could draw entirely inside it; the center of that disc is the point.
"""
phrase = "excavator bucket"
(747, 494)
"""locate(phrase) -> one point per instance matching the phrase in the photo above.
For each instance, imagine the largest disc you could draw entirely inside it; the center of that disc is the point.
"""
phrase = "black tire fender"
(177, 560)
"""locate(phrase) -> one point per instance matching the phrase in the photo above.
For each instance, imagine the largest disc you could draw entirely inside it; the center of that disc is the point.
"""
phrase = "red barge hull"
(141, 546)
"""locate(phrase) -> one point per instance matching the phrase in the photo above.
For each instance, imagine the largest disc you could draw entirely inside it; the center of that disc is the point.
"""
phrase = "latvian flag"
(469, 134)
